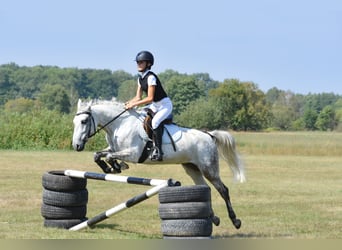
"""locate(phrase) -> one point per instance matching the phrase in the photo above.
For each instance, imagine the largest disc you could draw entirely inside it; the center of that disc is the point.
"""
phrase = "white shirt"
(151, 80)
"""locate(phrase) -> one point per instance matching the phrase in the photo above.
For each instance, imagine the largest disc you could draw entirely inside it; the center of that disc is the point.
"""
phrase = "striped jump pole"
(129, 203)
(115, 178)
(158, 184)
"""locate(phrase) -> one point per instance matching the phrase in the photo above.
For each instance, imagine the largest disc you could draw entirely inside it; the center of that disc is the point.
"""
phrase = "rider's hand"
(129, 105)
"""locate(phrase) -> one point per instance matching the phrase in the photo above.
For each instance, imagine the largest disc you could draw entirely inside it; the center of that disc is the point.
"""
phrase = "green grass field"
(293, 190)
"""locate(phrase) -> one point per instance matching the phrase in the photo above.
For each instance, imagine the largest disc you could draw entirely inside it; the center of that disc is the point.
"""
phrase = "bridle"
(92, 122)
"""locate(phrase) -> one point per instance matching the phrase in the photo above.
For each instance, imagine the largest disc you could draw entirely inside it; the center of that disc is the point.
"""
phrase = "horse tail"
(226, 147)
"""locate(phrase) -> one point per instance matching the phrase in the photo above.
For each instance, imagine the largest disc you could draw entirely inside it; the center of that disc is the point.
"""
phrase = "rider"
(160, 103)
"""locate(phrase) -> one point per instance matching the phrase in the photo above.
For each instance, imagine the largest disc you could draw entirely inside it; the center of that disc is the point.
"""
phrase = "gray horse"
(197, 151)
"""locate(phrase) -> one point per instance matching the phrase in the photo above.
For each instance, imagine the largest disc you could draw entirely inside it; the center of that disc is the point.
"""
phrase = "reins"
(101, 127)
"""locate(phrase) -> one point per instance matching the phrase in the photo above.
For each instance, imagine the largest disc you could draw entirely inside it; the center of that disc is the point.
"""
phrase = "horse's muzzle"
(79, 147)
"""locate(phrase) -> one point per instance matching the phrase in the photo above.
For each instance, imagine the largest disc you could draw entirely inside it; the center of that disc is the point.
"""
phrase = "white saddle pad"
(175, 132)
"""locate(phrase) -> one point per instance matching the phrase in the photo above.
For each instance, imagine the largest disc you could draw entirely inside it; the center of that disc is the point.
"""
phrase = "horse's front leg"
(117, 167)
(99, 154)
(125, 155)
(102, 164)
(113, 167)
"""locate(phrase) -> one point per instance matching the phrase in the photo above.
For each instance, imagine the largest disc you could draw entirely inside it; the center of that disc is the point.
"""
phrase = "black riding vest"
(159, 92)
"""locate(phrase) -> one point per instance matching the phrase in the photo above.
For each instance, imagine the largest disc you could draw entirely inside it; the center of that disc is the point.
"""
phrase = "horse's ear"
(79, 103)
(89, 105)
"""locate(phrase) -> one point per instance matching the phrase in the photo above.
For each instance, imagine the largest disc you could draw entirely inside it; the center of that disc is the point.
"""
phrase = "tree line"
(199, 101)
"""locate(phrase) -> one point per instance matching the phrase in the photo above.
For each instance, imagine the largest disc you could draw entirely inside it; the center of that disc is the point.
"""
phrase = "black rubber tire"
(65, 199)
(66, 224)
(185, 210)
(194, 193)
(54, 212)
(187, 228)
(57, 181)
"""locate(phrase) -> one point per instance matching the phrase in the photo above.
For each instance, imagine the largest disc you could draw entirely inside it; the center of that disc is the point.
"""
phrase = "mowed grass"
(293, 190)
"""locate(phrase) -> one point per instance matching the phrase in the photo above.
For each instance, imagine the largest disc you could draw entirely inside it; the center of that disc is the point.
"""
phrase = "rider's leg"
(157, 154)
(163, 110)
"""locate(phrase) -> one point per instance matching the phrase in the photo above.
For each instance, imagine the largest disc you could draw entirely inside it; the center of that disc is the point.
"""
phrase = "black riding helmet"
(145, 56)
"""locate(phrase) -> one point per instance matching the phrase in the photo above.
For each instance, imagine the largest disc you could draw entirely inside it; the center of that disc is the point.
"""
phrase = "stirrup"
(156, 155)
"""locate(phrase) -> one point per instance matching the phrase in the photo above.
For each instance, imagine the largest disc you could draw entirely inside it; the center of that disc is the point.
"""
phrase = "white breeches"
(162, 110)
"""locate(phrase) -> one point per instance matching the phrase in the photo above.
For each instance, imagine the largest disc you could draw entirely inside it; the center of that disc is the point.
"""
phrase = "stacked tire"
(185, 212)
(64, 200)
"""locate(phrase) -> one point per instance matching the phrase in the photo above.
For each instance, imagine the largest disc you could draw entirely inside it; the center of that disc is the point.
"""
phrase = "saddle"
(149, 131)
(148, 122)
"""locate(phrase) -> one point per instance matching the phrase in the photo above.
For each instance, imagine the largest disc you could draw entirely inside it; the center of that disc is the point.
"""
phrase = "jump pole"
(129, 203)
(158, 184)
(114, 178)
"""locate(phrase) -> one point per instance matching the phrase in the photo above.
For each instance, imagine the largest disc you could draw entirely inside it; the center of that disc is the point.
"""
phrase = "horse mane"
(113, 101)
(93, 102)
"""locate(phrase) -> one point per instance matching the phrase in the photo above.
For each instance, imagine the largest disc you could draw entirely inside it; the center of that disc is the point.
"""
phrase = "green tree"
(54, 97)
(282, 117)
(21, 105)
(167, 75)
(8, 87)
(182, 90)
(309, 118)
(101, 84)
(120, 76)
(205, 83)
(243, 105)
(286, 108)
(298, 125)
(318, 101)
(338, 111)
(273, 95)
(326, 119)
(201, 114)
(127, 90)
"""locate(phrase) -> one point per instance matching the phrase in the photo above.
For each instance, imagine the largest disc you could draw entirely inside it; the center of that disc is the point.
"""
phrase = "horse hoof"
(237, 223)
(123, 165)
(115, 171)
(215, 220)
(96, 157)
(108, 170)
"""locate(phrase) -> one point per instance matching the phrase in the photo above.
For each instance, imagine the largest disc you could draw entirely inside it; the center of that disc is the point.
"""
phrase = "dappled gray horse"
(197, 151)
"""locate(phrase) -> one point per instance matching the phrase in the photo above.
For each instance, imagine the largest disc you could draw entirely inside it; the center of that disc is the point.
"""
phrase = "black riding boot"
(157, 154)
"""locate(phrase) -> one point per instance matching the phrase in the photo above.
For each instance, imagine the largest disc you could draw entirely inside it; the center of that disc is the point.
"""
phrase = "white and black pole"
(129, 203)
(114, 178)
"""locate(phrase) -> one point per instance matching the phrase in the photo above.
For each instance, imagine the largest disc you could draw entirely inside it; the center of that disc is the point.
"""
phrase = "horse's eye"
(84, 121)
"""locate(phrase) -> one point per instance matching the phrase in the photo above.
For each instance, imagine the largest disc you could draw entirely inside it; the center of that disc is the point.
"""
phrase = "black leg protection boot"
(157, 154)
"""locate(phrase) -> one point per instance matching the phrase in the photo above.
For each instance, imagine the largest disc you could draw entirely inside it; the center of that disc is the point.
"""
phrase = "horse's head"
(84, 125)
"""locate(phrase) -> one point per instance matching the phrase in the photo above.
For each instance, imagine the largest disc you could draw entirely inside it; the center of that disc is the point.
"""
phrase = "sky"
(292, 45)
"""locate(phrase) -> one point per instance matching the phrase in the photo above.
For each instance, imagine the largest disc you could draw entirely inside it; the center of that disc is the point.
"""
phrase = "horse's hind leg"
(224, 192)
(197, 177)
